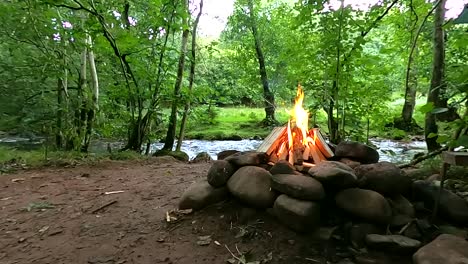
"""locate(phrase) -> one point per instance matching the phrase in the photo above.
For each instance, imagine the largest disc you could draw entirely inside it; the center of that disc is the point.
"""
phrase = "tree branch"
(67, 6)
(413, 47)
(364, 33)
(422, 158)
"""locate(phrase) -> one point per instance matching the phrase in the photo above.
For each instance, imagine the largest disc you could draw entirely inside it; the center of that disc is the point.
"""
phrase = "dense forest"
(137, 71)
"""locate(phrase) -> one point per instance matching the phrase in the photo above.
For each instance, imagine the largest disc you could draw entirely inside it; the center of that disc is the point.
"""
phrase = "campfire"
(296, 143)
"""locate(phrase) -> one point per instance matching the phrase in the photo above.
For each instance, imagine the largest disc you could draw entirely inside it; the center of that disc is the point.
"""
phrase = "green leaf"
(427, 107)
(432, 135)
(442, 139)
(462, 141)
(439, 110)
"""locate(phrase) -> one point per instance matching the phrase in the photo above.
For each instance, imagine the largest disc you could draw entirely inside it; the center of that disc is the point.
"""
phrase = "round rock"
(401, 205)
(202, 157)
(220, 172)
(383, 177)
(252, 185)
(297, 186)
(451, 206)
(446, 249)
(299, 215)
(392, 243)
(250, 158)
(351, 163)
(358, 233)
(356, 151)
(180, 155)
(282, 167)
(334, 175)
(366, 204)
(202, 194)
(226, 153)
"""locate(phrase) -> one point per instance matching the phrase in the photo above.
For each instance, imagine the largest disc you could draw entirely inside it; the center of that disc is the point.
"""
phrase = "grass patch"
(12, 159)
(229, 123)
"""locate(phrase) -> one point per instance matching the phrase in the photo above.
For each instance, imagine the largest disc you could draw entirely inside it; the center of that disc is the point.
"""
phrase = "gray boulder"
(180, 155)
(351, 163)
(250, 158)
(282, 167)
(226, 153)
(301, 216)
(451, 206)
(297, 186)
(366, 204)
(358, 233)
(252, 185)
(402, 210)
(202, 194)
(383, 177)
(356, 151)
(401, 205)
(220, 172)
(334, 175)
(446, 249)
(392, 243)
(202, 157)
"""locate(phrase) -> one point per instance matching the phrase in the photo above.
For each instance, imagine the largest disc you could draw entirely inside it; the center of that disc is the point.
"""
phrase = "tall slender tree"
(268, 96)
(193, 62)
(171, 130)
(437, 81)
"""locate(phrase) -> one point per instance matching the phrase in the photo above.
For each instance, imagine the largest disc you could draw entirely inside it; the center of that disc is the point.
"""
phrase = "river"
(390, 150)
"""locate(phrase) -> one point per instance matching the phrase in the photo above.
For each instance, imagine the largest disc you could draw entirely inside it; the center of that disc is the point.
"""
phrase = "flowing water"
(389, 150)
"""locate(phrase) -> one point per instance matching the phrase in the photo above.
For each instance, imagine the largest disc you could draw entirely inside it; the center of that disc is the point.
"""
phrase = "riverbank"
(17, 158)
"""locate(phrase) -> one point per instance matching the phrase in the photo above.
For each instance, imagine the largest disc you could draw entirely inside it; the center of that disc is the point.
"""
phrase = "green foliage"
(205, 115)
(12, 159)
(351, 63)
(231, 123)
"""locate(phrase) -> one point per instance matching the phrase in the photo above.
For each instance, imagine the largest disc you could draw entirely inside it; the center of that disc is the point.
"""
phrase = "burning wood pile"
(295, 143)
(290, 175)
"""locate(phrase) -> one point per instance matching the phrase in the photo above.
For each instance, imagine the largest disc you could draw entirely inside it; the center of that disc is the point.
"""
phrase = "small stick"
(114, 192)
(403, 229)
(103, 206)
(234, 256)
(305, 155)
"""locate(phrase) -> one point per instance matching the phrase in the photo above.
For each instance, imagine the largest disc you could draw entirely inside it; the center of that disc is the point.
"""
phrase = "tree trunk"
(191, 78)
(94, 99)
(410, 83)
(411, 78)
(410, 95)
(268, 95)
(58, 133)
(171, 130)
(137, 131)
(81, 110)
(333, 126)
(437, 81)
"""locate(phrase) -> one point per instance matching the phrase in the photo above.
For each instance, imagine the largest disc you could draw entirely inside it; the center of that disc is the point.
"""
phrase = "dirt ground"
(58, 215)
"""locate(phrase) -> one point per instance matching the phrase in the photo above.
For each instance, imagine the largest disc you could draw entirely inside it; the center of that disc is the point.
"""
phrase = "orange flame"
(300, 117)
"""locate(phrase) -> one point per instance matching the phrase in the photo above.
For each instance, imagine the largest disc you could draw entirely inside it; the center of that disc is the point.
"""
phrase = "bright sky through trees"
(216, 12)
(215, 15)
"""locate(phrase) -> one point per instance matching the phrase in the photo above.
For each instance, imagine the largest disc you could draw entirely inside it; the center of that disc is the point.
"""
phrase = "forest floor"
(59, 215)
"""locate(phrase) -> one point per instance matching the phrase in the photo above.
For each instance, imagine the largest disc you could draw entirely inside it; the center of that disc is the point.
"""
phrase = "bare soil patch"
(62, 215)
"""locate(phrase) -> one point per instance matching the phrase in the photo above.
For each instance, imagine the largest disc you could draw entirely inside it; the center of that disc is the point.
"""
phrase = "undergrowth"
(12, 159)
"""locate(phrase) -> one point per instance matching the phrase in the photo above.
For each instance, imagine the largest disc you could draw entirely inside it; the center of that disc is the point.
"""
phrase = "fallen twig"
(422, 158)
(113, 192)
(234, 256)
(403, 229)
(103, 206)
